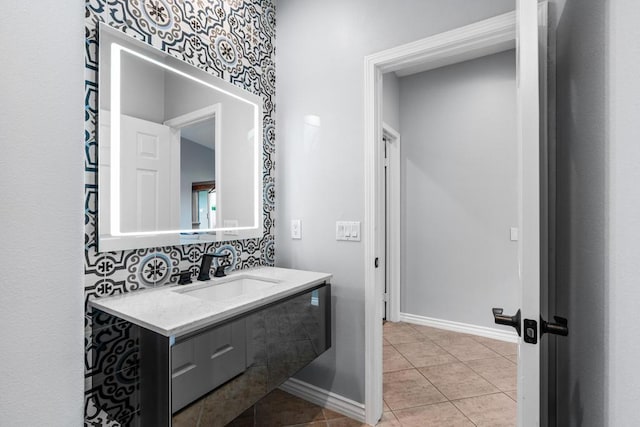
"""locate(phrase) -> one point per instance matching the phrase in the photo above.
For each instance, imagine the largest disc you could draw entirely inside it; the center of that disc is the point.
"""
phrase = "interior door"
(528, 114)
(146, 175)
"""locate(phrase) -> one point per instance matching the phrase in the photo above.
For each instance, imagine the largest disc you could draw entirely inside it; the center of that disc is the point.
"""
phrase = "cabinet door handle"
(182, 370)
(222, 350)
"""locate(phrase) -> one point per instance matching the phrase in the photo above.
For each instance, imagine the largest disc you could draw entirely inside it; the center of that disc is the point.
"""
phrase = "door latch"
(530, 331)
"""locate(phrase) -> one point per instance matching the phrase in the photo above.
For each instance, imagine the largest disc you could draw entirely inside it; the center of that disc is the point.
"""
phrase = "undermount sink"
(229, 289)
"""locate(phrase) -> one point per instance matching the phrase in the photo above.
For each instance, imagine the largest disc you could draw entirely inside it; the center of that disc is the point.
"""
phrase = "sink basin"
(229, 289)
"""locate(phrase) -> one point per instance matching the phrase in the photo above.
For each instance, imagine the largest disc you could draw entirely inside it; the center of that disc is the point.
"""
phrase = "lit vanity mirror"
(180, 151)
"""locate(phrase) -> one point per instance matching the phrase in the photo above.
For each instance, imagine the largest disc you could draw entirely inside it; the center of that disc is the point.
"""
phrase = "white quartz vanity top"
(171, 311)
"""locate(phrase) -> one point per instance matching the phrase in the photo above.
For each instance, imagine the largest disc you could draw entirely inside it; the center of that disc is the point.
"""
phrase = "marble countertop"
(171, 311)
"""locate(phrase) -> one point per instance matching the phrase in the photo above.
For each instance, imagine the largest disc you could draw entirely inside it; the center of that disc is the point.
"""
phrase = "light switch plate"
(348, 230)
(296, 229)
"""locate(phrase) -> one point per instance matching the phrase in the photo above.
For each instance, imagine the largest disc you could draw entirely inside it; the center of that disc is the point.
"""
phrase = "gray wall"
(624, 212)
(323, 182)
(459, 194)
(391, 100)
(142, 89)
(236, 172)
(581, 213)
(196, 165)
(598, 211)
(41, 184)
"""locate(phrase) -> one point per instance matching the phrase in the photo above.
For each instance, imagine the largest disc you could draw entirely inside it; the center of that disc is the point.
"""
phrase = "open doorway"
(468, 43)
(458, 169)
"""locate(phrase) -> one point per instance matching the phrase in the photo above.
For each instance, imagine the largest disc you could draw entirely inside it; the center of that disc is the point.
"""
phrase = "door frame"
(393, 221)
(214, 112)
(476, 40)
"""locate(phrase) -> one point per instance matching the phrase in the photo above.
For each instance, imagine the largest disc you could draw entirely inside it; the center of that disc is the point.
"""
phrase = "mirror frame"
(113, 239)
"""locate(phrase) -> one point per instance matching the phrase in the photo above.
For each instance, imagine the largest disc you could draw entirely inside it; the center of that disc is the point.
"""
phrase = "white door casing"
(476, 40)
(210, 112)
(392, 214)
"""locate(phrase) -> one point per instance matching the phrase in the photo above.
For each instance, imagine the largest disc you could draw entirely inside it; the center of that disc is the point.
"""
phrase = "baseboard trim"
(324, 398)
(483, 331)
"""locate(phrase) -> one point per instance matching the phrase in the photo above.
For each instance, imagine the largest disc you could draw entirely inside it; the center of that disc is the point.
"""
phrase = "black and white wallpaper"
(231, 39)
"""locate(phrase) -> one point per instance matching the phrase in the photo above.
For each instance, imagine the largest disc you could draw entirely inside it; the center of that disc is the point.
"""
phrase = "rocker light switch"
(348, 230)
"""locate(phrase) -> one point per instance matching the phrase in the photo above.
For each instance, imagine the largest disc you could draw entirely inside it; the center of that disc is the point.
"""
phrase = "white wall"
(41, 214)
(459, 194)
(320, 62)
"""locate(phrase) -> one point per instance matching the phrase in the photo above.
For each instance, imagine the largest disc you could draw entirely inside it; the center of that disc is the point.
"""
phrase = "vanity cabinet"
(144, 378)
(202, 362)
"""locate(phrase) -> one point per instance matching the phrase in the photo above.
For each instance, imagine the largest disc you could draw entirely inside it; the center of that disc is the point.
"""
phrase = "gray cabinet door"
(205, 361)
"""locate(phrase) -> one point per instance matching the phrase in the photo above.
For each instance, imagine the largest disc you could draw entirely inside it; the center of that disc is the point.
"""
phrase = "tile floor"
(432, 377)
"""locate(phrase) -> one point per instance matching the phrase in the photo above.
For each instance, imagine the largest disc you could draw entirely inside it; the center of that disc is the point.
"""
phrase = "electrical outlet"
(230, 223)
(296, 229)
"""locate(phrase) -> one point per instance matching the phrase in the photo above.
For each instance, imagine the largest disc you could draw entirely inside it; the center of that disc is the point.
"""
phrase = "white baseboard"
(324, 398)
(483, 331)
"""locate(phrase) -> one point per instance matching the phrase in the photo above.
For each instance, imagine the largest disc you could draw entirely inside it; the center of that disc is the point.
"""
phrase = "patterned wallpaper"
(231, 39)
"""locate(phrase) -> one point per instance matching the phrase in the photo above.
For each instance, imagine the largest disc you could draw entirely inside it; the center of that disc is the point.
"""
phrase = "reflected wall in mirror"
(166, 130)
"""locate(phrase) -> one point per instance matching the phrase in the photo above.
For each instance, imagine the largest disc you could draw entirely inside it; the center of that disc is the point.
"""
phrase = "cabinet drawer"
(205, 361)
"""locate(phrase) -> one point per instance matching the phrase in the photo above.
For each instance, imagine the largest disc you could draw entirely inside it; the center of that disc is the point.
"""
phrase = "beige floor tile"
(330, 415)
(501, 347)
(494, 410)
(457, 381)
(385, 407)
(437, 333)
(405, 389)
(499, 371)
(392, 360)
(385, 342)
(345, 422)
(403, 334)
(466, 348)
(388, 420)
(312, 424)
(282, 409)
(188, 417)
(513, 358)
(437, 415)
(394, 326)
(512, 394)
(424, 353)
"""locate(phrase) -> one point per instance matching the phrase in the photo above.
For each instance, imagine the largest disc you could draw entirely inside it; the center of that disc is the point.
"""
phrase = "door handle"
(558, 328)
(503, 319)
